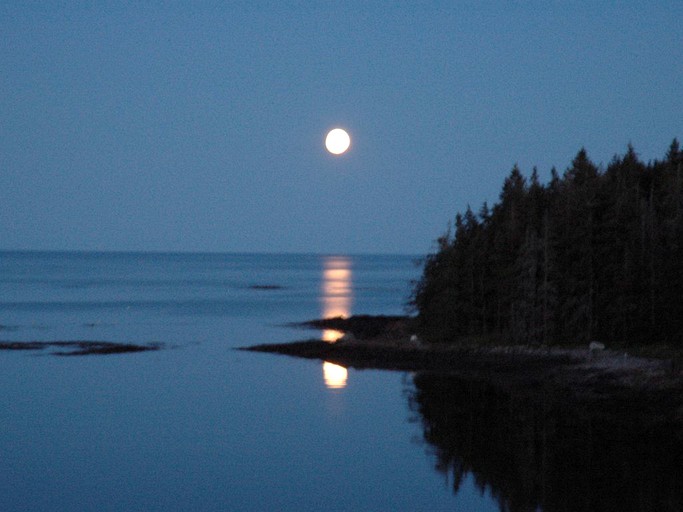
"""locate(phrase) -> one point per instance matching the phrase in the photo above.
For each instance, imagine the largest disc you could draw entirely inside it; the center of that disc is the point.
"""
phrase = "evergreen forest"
(594, 254)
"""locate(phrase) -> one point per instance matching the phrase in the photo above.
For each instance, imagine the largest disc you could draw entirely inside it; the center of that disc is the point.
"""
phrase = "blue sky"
(200, 126)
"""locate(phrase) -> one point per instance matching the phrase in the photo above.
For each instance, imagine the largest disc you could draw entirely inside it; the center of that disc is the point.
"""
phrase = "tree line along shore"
(595, 254)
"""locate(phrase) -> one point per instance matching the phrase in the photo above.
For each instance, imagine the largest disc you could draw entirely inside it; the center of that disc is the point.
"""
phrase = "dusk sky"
(183, 127)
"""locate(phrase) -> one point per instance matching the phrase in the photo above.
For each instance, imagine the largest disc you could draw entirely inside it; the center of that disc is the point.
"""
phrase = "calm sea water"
(199, 425)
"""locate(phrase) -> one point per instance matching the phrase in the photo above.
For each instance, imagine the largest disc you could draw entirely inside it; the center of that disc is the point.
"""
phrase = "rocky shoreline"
(385, 343)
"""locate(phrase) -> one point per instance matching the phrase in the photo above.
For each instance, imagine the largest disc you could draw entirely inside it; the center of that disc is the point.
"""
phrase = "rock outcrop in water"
(78, 348)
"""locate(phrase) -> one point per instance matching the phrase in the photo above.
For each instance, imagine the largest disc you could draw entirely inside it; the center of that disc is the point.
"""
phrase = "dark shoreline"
(587, 375)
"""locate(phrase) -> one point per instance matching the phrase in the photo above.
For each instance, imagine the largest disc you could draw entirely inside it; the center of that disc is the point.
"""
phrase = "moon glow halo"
(337, 141)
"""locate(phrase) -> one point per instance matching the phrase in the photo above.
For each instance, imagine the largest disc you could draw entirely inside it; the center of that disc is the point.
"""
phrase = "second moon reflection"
(336, 298)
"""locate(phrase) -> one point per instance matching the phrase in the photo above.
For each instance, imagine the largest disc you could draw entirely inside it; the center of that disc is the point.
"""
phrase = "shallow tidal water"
(198, 425)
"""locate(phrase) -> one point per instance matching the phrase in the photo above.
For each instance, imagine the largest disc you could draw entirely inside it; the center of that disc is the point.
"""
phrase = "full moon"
(337, 141)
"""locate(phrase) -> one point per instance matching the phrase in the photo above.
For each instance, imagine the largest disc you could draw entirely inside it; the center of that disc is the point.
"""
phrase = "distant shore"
(385, 343)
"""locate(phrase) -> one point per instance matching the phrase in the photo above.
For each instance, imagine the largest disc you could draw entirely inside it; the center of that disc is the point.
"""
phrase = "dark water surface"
(200, 426)
(544, 449)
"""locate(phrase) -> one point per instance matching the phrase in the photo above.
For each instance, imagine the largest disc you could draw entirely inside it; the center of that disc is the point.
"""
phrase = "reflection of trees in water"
(536, 448)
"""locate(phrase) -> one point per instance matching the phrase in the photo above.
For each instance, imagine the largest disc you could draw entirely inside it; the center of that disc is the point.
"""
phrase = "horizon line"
(207, 252)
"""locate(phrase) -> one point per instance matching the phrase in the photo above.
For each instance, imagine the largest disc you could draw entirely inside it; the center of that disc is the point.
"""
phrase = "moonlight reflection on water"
(335, 376)
(336, 297)
(336, 292)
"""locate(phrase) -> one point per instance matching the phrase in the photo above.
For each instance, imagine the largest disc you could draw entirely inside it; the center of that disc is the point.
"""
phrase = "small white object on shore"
(595, 346)
(414, 340)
